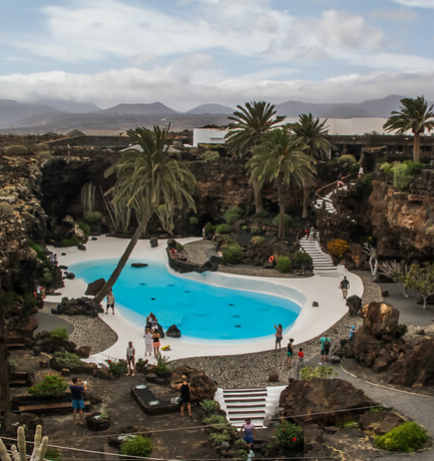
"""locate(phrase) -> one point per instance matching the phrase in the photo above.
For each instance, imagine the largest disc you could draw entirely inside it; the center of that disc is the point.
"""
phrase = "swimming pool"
(199, 310)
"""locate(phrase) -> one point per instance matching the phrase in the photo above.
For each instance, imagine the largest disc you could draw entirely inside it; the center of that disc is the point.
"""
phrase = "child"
(300, 356)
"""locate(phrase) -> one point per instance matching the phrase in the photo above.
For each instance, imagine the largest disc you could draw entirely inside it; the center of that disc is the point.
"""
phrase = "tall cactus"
(39, 447)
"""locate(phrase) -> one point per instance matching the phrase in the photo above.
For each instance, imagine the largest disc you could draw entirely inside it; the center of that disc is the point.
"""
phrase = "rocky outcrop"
(79, 306)
(203, 386)
(380, 319)
(416, 367)
(321, 401)
(173, 332)
(94, 287)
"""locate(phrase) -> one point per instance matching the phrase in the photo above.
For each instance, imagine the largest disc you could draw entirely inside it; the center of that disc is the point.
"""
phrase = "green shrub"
(163, 368)
(289, 435)
(15, 150)
(67, 360)
(301, 258)
(260, 216)
(85, 228)
(42, 147)
(386, 168)
(218, 438)
(137, 446)
(233, 254)
(59, 333)
(209, 228)
(92, 217)
(255, 229)
(13, 366)
(179, 247)
(233, 214)
(401, 176)
(48, 276)
(321, 372)
(211, 156)
(286, 220)
(257, 240)
(30, 302)
(71, 242)
(51, 386)
(283, 264)
(193, 221)
(217, 422)
(117, 367)
(244, 228)
(209, 407)
(367, 184)
(407, 437)
(53, 455)
(10, 298)
(223, 229)
(413, 168)
(346, 161)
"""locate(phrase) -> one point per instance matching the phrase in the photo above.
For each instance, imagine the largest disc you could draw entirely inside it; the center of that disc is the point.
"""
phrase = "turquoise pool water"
(198, 309)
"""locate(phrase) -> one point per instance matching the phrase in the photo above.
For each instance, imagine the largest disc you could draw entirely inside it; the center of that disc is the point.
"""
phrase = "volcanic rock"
(354, 304)
(173, 332)
(138, 265)
(204, 387)
(94, 287)
(79, 306)
(380, 319)
(83, 351)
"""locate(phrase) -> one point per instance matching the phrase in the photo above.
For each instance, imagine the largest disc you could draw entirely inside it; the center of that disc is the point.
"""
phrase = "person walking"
(77, 387)
(148, 341)
(110, 302)
(248, 431)
(325, 349)
(279, 336)
(344, 286)
(352, 332)
(300, 356)
(289, 353)
(156, 343)
(185, 389)
(131, 359)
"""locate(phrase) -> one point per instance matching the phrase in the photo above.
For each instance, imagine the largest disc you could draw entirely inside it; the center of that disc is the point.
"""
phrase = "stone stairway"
(322, 262)
(258, 404)
(328, 201)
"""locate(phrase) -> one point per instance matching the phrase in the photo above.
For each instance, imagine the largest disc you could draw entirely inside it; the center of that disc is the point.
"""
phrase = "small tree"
(397, 272)
(373, 259)
(421, 279)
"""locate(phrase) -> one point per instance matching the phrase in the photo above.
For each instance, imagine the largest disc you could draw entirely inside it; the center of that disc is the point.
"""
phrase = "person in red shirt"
(300, 356)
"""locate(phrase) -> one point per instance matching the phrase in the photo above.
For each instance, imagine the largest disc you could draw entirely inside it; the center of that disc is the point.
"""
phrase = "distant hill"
(71, 107)
(13, 111)
(216, 109)
(156, 108)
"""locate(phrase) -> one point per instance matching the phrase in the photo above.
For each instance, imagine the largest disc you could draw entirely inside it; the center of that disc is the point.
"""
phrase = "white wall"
(208, 136)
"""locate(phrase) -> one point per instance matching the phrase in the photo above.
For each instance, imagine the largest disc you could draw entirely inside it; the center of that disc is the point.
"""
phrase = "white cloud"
(416, 3)
(399, 14)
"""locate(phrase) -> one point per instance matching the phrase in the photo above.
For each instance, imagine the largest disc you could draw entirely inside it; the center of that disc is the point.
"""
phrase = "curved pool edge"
(311, 322)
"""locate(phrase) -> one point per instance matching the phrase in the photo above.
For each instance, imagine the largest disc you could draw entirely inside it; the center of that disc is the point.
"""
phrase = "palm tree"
(413, 115)
(310, 132)
(149, 177)
(246, 130)
(282, 160)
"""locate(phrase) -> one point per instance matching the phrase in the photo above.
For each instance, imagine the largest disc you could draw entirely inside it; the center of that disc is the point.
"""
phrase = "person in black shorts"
(185, 396)
(344, 285)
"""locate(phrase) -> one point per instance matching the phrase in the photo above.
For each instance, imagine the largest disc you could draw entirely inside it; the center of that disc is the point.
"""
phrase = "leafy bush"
(233, 254)
(367, 184)
(137, 446)
(286, 220)
(346, 161)
(85, 228)
(217, 422)
(244, 228)
(209, 228)
(401, 177)
(257, 240)
(59, 333)
(413, 168)
(47, 276)
(209, 407)
(218, 438)
(407, 437)
(71, 242)
(117, 367)
(51, 386)
(301, 258)
(193, 221)
(13, 365)
(16, 150)
(223, 229)
(260, 216)
(163, 368)
(283, 264)
(289, 435)
(42, 147)
(53, 455)
(233, 214)
(67, 360)
(386, 168)
(179, 247)
(92, 217)
(30, 302)
(255, 229)
(338, 247)
(10, 298)
(211, 156)
(321, 372)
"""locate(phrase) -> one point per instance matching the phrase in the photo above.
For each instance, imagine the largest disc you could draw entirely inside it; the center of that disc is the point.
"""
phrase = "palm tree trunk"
(281, 201)
(306, 197)
(416, 147)
(257, 190)
(5, 401)
(124, 258)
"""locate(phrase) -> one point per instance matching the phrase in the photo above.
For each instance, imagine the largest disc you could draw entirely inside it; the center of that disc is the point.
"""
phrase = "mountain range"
(62, 116)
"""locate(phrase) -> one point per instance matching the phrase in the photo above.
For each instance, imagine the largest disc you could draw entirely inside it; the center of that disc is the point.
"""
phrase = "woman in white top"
(148, 342)
(131, 359)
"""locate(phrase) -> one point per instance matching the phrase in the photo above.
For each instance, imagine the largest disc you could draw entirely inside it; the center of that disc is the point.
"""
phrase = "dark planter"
(33, 404)
(95, 423)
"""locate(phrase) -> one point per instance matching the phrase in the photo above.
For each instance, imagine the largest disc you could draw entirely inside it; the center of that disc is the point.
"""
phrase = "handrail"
(334, 183)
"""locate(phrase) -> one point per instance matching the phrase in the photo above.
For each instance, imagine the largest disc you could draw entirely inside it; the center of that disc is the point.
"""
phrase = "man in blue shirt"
(77, 388)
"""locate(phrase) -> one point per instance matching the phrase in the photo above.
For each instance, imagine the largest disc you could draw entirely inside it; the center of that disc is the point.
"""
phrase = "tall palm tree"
(248, 125)
(312, 133)
(281, 160)
(414, 115)
(149, 177)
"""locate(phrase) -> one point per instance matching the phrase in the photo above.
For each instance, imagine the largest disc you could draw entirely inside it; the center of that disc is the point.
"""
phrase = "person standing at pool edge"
(279, 336)
(110, 302)
(148, 341)
(156, 343)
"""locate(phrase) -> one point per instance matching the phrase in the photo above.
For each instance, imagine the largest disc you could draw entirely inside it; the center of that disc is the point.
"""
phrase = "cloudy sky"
(187, 52)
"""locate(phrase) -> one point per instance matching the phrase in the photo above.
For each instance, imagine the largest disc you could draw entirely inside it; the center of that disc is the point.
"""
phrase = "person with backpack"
(344, 285)
(325, 349)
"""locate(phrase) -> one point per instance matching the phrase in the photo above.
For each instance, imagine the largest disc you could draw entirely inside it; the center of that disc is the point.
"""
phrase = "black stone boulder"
(173, 332)
(79, 306)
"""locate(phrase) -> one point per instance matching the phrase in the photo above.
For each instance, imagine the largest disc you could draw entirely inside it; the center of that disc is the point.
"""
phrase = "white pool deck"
(311, 322)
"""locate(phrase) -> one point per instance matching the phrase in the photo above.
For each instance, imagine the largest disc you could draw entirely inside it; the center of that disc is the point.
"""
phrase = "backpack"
(326, 344)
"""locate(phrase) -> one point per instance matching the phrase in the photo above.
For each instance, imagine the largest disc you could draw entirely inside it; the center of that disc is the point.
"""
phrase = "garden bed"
(144, 396)
(32, 404)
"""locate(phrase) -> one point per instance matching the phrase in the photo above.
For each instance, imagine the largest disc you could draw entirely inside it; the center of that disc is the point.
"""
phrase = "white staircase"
(257, 404)
(322, 262)
(328, 200)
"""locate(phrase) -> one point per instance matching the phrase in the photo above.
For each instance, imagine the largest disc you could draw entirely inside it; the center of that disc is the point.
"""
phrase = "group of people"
(311, 233)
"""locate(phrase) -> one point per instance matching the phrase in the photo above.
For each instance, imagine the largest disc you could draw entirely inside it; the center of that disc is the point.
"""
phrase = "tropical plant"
(414, 115)
(406, 437)
(283, 264)
(216, 422)
(320, 372)
(53, 455)
(233, 254)
(92, 216)
(209, 407)
(148, 178)
(223, 229)
(289, 435)
(51, 386)
(218, 438)
(233, 214)
(311, 133)
(371, 251)
(67, 360)
(421, 279)
(246, 130)
(60, 334)
(210, 156)
(346, 161)
(281, 160)
(163, 368)
(301, 258)
(40, 446)
(117, 367)
(137, 446)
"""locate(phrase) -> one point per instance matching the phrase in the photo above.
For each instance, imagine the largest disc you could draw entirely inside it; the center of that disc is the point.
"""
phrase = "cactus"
(39, 447)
